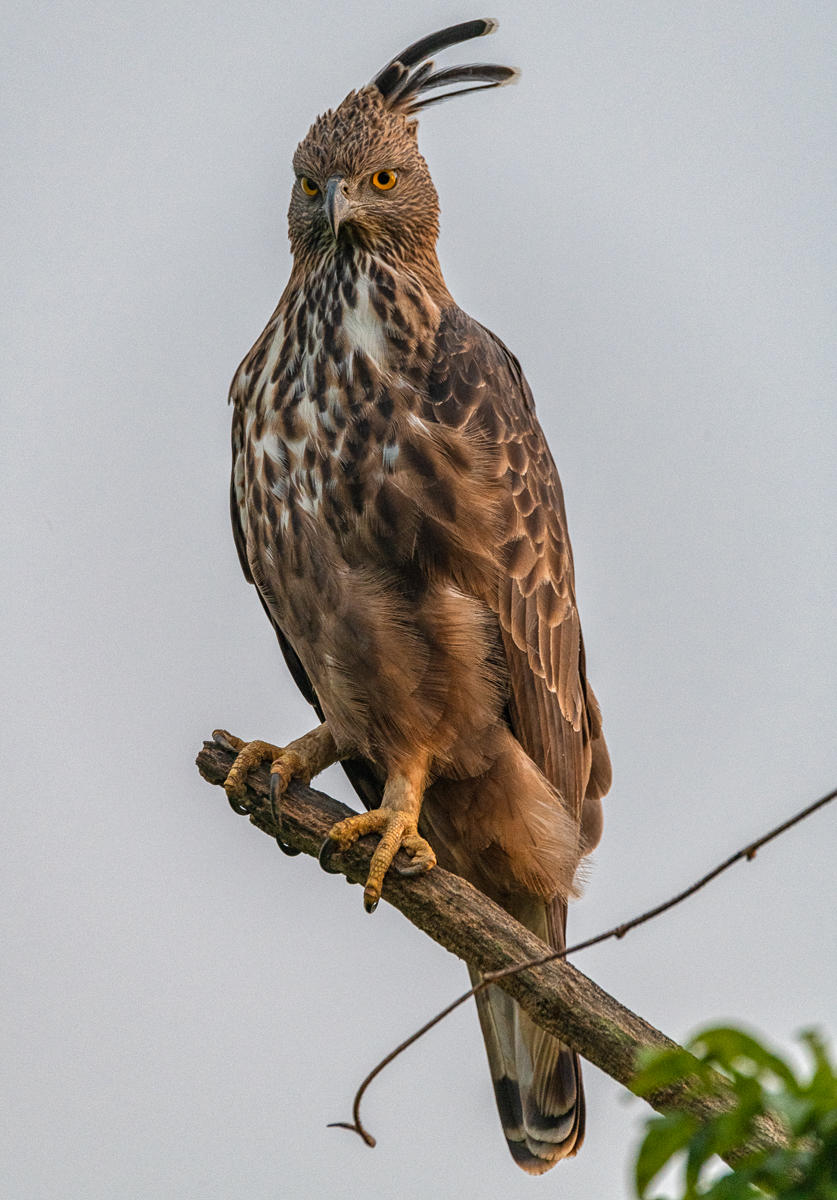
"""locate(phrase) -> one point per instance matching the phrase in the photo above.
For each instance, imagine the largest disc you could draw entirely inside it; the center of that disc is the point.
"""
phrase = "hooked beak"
(337, 203)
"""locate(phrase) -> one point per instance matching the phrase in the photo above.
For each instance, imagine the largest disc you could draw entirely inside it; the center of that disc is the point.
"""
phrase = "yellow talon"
(250, 754)
(301, 759)
(398, 830)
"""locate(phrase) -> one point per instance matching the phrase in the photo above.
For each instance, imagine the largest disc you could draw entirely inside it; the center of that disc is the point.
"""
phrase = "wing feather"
(477, 386)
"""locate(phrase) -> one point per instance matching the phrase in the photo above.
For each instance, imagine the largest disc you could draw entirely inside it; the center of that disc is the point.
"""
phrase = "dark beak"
(337, 203)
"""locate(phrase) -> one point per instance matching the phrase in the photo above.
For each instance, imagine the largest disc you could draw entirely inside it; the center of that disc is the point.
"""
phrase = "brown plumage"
(397, 507)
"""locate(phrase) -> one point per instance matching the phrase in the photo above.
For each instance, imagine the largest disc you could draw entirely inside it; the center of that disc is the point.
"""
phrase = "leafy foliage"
(764, 1084)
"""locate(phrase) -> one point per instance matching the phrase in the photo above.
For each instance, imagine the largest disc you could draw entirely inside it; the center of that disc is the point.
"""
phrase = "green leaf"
(699, 1152)
(733, 1186)
(762, 1084)
(664, 1137)
(727, 1047)
(795, 1111)
(661, 1068)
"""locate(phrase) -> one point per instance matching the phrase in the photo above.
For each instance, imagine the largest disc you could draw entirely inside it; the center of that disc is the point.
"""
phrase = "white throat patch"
(363, 328)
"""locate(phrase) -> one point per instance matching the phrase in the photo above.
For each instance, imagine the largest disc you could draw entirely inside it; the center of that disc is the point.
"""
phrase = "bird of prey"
(396, 505)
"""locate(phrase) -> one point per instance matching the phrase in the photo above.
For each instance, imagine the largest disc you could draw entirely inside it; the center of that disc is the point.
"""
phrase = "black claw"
(369, 905)
(276, 806)
(238, 808)
(275, 793)
(291, 851)
(327, 849)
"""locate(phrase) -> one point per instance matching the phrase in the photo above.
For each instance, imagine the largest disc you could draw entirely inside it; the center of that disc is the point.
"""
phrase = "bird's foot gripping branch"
(557, 997)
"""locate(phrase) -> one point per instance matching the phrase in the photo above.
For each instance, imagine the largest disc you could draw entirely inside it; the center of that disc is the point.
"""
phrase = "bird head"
(360, 177)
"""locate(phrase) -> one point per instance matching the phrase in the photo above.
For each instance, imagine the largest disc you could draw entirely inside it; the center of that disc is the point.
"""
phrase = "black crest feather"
(404, 88)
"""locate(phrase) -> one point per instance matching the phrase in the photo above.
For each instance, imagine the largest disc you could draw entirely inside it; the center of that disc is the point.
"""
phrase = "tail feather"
(537, 1080)
(509, 833)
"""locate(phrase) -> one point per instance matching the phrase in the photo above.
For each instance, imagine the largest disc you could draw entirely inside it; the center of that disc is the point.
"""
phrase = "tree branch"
(556, 995)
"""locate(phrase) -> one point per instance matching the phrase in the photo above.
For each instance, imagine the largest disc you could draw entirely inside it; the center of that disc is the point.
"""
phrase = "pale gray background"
(648, 221)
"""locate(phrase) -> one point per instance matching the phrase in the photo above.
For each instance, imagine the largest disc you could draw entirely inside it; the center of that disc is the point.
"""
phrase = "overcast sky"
(648, 221)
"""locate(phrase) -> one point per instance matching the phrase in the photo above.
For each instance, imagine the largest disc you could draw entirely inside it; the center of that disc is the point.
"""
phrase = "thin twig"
(747, 852)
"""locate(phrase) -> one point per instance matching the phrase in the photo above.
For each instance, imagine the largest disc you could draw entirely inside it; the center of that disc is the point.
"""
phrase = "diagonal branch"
(556, 995)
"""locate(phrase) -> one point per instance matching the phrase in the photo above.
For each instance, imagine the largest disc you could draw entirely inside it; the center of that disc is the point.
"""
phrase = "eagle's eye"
(384, 180)
(308, 186)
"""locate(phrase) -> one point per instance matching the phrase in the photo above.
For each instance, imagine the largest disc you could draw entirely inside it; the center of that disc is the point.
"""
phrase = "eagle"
(396, 506)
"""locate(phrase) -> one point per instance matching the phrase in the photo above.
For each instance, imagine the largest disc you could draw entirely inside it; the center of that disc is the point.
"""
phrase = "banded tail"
(537, 1080)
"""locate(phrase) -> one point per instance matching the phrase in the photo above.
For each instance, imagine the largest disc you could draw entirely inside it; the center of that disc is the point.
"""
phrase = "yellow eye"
(308, 186)
(384, 180)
